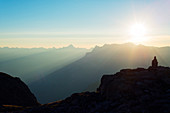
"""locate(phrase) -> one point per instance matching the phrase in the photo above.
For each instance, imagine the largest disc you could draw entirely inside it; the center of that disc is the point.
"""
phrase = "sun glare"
(138, 32)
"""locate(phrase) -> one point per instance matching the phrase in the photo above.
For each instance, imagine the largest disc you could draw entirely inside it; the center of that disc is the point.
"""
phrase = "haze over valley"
(53, 74)
(35, 63)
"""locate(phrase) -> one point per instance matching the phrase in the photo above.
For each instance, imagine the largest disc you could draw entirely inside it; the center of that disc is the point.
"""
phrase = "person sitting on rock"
(154, 62)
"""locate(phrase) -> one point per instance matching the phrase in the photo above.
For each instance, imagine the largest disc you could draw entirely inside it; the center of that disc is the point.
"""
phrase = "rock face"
(128, 91)
(15, 92)
(139, 89)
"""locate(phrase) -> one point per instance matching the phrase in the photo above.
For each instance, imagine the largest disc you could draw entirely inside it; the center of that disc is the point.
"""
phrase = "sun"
(138, 33)
(138, 30)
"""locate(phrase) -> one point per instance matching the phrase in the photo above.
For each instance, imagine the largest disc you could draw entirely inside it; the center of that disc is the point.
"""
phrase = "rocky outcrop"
(128, 91)
(140, 90)
(15, 92)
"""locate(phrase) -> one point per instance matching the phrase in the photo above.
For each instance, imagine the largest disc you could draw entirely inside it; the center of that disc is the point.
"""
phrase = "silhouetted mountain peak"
(70, 46)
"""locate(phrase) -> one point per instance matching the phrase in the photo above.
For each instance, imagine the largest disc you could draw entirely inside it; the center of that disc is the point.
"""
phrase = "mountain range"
(85, 73)
(32, 64)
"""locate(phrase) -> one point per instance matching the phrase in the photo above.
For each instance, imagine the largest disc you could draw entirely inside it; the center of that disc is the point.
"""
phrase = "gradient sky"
(83, 23)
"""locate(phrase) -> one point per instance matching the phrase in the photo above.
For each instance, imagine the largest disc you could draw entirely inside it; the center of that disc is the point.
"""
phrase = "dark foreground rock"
(139, 90)
(15, 92)
(128, 91)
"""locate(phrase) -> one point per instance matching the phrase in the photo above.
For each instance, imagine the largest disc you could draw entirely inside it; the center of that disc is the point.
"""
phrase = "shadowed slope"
(14, 92)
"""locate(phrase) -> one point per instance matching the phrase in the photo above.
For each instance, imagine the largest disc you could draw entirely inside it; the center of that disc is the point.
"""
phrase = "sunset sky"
(83, 23)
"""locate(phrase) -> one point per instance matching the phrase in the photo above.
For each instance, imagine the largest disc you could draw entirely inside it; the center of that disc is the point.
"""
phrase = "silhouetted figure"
(154, 62)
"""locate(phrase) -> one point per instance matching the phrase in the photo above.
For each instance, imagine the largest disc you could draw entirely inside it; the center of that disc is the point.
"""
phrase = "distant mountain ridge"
(79, 75)
(32, 64)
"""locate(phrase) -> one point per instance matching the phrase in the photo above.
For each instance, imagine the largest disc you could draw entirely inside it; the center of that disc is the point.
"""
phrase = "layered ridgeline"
(32, 64)
(128, 91)
(85, 74)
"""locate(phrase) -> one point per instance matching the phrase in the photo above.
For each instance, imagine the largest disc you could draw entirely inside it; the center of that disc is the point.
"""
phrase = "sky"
(83, 23)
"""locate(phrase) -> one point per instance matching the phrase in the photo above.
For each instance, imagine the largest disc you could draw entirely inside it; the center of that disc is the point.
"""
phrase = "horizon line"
(77, 47)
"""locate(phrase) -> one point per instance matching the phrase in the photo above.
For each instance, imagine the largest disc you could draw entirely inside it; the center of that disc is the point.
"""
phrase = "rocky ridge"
(128, 91)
